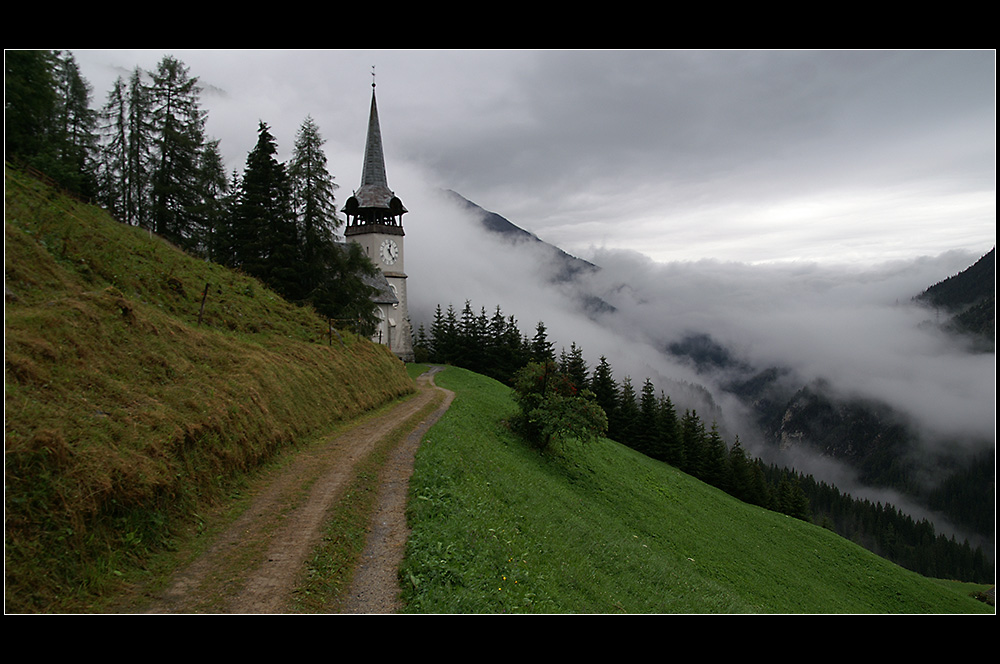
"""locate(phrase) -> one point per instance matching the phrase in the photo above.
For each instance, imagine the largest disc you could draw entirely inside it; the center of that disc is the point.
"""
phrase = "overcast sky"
(844, 157)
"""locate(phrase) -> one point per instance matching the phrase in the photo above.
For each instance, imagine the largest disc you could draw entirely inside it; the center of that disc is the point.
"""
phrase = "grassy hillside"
(499, 527)
(129, 407)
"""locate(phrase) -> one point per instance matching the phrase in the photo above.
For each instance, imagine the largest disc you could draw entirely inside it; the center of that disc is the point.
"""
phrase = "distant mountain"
(865, 434)
(564, 267)
(968, 299)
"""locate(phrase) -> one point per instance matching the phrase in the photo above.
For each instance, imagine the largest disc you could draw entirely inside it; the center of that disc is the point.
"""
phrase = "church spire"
(373, 172)
(374, 202)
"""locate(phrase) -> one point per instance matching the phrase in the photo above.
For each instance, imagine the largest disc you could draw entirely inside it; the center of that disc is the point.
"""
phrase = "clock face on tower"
(389, 252)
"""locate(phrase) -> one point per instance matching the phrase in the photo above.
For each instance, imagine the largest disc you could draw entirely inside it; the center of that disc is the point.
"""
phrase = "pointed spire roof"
(374, 191)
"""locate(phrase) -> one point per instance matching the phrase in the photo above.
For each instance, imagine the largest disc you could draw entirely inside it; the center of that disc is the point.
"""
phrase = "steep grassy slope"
(125, 413)
(500, 528)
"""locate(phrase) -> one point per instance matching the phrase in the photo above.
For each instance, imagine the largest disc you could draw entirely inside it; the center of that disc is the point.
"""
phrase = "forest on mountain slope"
(646, 420)
(968, 300)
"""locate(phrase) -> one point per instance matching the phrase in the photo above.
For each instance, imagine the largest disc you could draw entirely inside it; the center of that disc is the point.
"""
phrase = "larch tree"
(126, 158)
(209, 213)
(113, 127)
(178, 125)
(313, 188)
(139, 152)
(74, 128)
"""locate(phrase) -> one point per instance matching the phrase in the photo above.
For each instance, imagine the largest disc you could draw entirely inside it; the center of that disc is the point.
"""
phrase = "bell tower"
(375, 221)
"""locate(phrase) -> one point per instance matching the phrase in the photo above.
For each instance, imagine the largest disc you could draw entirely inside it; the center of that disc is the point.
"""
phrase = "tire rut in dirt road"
(376, 587)
(253, 565)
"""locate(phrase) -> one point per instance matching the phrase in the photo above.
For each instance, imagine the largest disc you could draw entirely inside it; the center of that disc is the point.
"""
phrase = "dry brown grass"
(123, 413)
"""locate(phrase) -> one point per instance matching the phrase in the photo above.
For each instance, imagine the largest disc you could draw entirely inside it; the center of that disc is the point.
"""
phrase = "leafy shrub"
(552, 407)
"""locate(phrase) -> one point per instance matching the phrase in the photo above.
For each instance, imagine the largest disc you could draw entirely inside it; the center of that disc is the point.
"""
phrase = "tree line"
(145, 157)
(648, 421)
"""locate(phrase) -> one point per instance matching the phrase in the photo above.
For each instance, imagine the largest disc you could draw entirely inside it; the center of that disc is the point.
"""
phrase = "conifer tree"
(265, 240)
(343, 292)
(75, 128)
(715, 463)
(48, 122)
(575, 367)
(602, 384)
(113, 126)
(760, 491)
(421, 345)
(670, 432)
(792, 500)
(209, 214)
(627, 414)
(515, 346)
(469, 347)
(740, 472)
(436, 338)
(312, 189)
(139, 158)
(693, 439)
(126, 162)
(495, 360)
(445, 335)
(541, 347)
(178, 137)
(647, 434)
(30, 100)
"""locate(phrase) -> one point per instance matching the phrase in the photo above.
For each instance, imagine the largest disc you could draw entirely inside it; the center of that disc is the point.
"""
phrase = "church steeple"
(374, 221)
(374, 202)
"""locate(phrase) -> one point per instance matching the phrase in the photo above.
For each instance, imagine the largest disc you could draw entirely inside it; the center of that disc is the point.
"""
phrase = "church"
(375, 221)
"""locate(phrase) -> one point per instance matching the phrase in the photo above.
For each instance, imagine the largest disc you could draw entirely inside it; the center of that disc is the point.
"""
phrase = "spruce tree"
(541, 347)
(647, 434)
(264, 229)
(715, 463)
(126, 144)
(576, 367)
(469, 340)
(740, 472)
(670, 432)
(693, 439)
(602, 384)
(627, 414)
(494, 361)
(436, 338)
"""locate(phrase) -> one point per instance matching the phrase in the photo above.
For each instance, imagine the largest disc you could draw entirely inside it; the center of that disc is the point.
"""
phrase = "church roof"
(374, 191)
(383, 292)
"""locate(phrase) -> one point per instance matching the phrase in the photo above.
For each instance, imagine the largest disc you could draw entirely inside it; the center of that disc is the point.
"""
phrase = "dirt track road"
(253, 565)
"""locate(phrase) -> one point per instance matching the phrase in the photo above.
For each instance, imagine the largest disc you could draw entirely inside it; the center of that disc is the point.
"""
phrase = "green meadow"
(499, 527)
